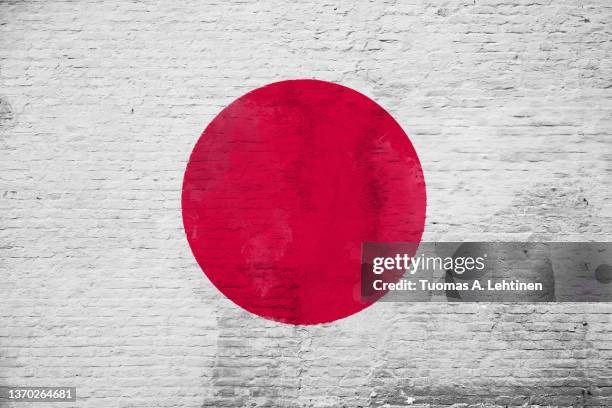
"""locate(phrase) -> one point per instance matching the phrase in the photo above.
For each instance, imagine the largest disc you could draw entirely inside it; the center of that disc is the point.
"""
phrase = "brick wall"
(508, 104)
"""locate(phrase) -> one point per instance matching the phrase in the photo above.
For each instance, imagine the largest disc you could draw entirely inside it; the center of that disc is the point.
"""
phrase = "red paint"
(283, 187)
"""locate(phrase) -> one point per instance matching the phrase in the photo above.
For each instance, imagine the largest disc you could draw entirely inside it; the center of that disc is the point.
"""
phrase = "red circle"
(285, 185)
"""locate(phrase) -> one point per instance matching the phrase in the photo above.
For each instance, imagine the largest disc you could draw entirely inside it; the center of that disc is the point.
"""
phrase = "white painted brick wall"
(508, 104)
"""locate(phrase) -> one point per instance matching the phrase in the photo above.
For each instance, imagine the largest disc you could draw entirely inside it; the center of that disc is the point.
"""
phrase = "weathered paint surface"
(506, 102)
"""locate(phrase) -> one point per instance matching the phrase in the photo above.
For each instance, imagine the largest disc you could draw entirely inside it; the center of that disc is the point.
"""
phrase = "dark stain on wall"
(603, 273)
(7, 116)
(253, 367)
